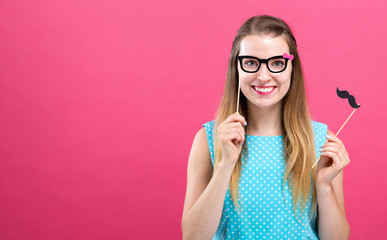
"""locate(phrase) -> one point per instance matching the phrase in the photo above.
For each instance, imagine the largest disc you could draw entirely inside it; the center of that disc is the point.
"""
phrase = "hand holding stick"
(336, 134)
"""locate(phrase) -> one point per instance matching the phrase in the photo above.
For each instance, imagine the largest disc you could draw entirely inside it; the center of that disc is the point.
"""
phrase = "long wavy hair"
(295, 120)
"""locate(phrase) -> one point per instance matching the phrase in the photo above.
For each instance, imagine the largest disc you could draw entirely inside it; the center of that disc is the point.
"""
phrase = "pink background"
(100, 102)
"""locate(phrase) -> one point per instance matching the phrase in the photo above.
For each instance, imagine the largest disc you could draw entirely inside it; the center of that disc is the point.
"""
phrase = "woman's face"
(277, 84)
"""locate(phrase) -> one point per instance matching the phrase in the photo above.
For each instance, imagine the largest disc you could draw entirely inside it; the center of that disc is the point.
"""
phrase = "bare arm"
(205, 193)
(332, 222)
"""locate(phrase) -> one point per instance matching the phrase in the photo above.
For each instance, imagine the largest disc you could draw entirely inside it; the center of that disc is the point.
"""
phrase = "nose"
(263, 73)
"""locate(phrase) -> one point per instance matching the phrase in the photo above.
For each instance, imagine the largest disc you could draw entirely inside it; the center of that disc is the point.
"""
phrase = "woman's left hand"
(334, 158)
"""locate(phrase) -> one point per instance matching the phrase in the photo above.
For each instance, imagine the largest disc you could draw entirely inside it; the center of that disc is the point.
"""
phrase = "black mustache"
(351, 99)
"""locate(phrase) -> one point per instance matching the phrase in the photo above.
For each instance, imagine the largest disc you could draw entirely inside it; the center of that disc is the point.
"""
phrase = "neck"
(264, 121)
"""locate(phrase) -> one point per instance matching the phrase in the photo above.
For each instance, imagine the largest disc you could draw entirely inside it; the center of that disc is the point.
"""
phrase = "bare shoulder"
(200, 143)
(199, 169)
(200, 152)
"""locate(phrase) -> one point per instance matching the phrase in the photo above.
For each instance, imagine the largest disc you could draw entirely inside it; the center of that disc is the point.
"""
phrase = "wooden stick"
(345, 122)
(239, 88)
(336, 134)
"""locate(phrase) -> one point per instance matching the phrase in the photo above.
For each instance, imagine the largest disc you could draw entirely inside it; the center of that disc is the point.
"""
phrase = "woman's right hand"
(231, 135)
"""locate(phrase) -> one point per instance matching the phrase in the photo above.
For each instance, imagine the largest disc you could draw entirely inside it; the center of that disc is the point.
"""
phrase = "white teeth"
(263, 89)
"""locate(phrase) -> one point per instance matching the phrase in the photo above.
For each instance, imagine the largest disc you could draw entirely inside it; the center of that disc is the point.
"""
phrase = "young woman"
(250, 172)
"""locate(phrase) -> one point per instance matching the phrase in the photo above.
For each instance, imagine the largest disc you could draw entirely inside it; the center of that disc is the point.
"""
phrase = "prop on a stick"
(285, 55)
(351, 100)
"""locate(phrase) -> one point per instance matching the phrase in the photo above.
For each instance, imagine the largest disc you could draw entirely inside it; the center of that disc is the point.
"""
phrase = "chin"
(267, 105)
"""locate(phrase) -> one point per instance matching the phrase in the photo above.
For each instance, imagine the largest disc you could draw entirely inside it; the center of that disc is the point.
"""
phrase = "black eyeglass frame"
(240, 58)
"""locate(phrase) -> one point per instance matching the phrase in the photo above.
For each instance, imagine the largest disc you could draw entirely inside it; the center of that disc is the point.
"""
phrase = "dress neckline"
(257, 136)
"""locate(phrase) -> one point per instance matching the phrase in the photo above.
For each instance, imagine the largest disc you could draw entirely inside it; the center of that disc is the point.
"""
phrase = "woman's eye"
(278, 63)
(251, 63)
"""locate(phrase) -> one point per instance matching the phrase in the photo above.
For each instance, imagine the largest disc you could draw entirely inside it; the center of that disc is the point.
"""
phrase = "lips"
(266, 90)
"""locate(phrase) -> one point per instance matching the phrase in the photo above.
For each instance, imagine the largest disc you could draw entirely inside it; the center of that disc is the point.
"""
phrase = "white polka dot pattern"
(264, 214)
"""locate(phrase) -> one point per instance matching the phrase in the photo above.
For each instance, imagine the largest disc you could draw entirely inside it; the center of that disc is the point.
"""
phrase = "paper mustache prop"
(351, 100)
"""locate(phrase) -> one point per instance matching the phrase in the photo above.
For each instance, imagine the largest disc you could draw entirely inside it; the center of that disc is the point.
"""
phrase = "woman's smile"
(264, 90)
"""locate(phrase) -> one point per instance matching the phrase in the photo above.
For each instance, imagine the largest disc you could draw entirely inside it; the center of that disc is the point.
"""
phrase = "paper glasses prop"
(285, 55)
(351, 100)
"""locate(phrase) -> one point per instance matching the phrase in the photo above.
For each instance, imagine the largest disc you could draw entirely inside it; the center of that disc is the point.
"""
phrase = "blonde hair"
(296, 123)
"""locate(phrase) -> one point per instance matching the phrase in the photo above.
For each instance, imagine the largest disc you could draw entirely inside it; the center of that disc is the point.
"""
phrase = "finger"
(345, 151)
(233, 136)
(238, 140)
(235, 130)
(342, 158)
(336, 159)
(235, 125)
(236, 117)
(242, 139)
(340, 147)
(329, 144)
(333, 138)
(333, 148)
(239, 127)
(343, 154)
(337, 151)
(332, 156)
(227, 124)
(230, 127)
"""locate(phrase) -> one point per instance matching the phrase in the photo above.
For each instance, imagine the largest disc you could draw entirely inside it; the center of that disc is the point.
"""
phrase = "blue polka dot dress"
(263, 214)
